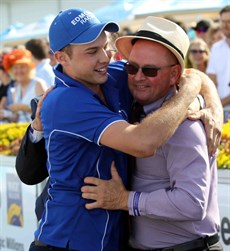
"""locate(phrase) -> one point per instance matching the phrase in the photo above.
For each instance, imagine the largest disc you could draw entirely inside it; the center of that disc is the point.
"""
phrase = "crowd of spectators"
(25, 72)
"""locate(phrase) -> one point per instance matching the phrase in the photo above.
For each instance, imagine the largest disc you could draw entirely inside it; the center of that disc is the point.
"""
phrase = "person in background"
(5, 83)
(173, 196)
(18, 63)
(180, 23)
(198, 55)
(219, 62)
(214, 34)
(52, 59)
(201, 28)
(40, 55)
(116, 55)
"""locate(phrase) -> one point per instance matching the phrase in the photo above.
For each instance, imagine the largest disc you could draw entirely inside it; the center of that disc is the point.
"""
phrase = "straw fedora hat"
(162, 31)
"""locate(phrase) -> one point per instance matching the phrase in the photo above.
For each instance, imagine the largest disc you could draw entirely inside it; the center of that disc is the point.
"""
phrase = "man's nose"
(105, 56)
(139, 75)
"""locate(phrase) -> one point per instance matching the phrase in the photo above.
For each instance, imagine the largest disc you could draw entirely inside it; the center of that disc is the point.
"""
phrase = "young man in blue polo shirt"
(83, 118)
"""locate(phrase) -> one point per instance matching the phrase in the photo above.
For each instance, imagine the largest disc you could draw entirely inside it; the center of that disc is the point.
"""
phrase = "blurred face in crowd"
(21, 72)
(225, 23)
(198, 53)
(53, 61)
(201, 34)
(218, 35)
(147, 89)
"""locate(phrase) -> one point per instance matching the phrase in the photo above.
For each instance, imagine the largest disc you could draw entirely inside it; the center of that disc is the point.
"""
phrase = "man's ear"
(61, 57)
(175, 75)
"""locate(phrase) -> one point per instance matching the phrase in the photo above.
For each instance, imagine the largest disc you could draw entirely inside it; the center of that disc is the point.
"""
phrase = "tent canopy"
(118, 11)
(167, 6)
(25, 32)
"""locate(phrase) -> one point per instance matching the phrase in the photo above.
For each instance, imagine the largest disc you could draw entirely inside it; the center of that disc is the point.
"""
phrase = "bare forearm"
(211, 97)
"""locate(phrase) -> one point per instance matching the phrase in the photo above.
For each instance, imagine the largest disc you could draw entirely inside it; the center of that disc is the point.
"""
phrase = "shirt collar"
(158, 103)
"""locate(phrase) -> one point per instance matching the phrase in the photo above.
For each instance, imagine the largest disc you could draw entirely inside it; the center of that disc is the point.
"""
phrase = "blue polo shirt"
(74, 119)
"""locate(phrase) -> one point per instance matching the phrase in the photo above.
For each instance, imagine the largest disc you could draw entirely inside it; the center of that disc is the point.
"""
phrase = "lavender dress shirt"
(178, 185)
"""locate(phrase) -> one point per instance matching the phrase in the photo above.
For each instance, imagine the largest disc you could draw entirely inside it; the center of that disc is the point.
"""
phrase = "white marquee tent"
(125, 12)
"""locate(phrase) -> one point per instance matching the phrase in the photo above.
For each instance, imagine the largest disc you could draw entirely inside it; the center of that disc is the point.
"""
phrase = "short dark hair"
(225, 9)
(38, 48)
(68, 50)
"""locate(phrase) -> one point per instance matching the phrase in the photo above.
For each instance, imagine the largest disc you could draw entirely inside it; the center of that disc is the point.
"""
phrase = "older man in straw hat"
(173, 197)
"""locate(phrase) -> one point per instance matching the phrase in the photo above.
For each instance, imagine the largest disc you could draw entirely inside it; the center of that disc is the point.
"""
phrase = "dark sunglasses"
(147, 71)
(198, 51)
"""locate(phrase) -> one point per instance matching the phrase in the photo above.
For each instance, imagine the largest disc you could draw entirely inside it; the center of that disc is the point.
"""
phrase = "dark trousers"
(39, 246)
(188, 246)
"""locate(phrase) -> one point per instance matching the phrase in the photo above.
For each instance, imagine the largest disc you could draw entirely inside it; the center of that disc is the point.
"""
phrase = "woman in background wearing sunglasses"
(198, 55)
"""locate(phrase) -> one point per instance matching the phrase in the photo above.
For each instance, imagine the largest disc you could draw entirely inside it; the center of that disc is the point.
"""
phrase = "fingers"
(88, 189)
(216, 141)
(212, 131)
(92, 205)
(114, 172)
(89, 196)
(89, 193)
(213, 134)
(96, 194)
(194, 115)
(92, 181)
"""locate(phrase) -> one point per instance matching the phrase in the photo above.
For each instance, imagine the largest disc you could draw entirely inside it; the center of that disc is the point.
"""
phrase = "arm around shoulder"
(143, 139)
(212, 115)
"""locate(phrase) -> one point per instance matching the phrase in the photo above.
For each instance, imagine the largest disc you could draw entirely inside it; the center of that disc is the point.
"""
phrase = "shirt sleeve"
(88, 121)
(189, 170)
(34, 135)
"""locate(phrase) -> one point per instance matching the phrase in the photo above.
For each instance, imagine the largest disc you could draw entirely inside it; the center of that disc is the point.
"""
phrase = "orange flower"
(17, 56)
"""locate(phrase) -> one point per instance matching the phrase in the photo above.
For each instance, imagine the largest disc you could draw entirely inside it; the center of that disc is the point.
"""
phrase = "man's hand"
(194, 106)
(36, 123)
(108, 194)
(212, 115)
(213, 128)
(190, 80)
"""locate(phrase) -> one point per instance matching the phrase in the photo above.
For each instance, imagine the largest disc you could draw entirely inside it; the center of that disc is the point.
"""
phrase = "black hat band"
(156, 36)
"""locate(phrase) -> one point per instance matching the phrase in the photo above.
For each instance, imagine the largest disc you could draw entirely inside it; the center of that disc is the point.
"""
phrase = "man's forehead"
(225, 16)
(147, 49)
(143, 43)
(101, 41)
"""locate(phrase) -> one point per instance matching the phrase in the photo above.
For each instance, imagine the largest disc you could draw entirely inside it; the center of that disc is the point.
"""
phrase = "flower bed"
(223, 158)
(11, 136)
